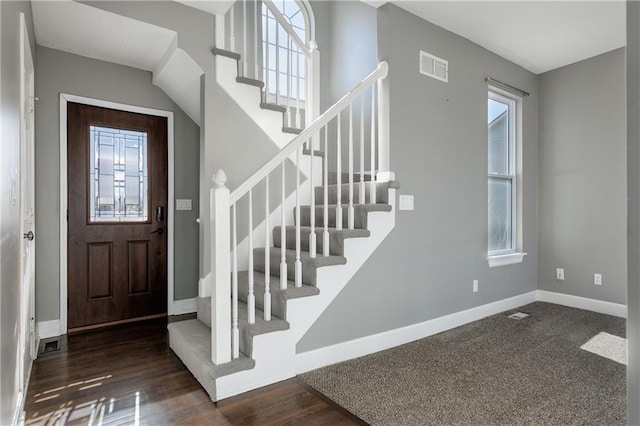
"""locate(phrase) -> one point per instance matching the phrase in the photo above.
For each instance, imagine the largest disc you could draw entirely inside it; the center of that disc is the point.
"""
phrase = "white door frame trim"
(64, 99)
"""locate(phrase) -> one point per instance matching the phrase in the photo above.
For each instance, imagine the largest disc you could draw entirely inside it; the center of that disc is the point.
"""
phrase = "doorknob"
(29, 236)
(158, 231)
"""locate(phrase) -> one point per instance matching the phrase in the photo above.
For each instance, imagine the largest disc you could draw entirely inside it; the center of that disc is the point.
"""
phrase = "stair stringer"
(248, 99)
(275, 353)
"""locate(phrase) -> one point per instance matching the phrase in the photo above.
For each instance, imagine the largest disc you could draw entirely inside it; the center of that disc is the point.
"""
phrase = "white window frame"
(514, 254)
(305, 11)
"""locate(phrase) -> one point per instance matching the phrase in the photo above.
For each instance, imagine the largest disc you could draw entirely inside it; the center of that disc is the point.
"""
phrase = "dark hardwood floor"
(127, 374)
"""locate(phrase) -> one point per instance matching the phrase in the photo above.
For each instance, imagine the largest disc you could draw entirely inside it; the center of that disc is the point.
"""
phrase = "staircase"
(317, 226)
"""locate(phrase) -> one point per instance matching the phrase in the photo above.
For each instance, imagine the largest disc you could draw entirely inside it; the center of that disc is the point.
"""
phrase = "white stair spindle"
(266, 58)
(350, 219)
(372, 190)
(361, 187)
(256, 12)
(277, 63)
(339, 175)
(245, 53)
(235, 342)
(267, 255)
(289, 65)
(251, 298)
(232, 26)
(325, 198)
(298, 264)
(283, 233)
(298, 122)
(312, 233)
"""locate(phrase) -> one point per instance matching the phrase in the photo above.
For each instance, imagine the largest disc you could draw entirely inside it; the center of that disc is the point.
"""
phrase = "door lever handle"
(29, 235)
(158, 231)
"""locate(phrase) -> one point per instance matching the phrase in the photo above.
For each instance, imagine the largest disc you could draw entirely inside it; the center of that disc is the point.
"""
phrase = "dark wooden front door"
(117, 236)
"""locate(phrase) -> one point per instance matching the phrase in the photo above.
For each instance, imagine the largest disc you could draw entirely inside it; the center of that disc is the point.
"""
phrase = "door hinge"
(67, 215)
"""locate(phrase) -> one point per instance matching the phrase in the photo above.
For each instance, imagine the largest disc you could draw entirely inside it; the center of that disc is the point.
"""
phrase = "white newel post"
(220, 271)
(383, 127)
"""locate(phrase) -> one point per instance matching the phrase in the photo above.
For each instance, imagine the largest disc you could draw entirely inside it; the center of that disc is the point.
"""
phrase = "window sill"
(505, 259)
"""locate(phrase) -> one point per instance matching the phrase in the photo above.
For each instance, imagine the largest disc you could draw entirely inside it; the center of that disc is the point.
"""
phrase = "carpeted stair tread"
(309, 264)
(292, 292)
(227, 53)
(250, 81)
(316, 153)
(336, 238)
(382, 193)
(191, 341)
(332, 177)
(272, 107)
(203, 310)
(360, 214)
(278, 297)
(291, 130)
(248, 331)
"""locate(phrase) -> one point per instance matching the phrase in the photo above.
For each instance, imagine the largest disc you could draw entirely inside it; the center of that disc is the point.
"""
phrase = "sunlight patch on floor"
(608, 346)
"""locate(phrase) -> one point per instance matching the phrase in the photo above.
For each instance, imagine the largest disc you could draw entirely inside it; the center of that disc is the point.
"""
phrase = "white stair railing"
(258, 31)
(328, 129)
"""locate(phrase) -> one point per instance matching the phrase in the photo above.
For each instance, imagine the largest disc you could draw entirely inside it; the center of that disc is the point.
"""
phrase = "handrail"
(379, 73)
(292, 33)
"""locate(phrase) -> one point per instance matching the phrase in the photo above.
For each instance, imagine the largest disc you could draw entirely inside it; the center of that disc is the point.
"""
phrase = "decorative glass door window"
(118, 177)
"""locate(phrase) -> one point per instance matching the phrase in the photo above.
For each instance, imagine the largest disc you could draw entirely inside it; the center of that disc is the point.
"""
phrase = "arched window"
(283, 63)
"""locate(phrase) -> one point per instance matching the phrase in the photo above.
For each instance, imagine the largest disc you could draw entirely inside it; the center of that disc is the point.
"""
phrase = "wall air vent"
(434, 67)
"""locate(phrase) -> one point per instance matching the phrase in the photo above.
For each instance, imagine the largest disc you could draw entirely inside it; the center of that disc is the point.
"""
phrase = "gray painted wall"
(347, 42)
(425, 268)
(346, 33)
(10, 238)
(633, 210)
(59, 72)
(582, 178)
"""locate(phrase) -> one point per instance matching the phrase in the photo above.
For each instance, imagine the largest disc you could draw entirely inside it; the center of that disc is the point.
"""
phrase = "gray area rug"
(493, 371)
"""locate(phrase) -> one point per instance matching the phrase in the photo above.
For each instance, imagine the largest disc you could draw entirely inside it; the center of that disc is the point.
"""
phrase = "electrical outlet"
(597, 279)
(475, 286)
(559, 274)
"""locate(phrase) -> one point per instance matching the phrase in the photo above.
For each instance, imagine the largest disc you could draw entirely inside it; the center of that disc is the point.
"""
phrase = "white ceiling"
(537, 35)
(211, 6)
(88, 31)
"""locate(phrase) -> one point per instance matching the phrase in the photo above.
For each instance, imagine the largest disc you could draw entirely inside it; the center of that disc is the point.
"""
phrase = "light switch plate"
(183, 204)
(405, 202)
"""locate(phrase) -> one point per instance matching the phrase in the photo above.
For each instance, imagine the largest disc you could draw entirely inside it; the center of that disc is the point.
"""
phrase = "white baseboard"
(317, 358)
(184, 306)
(48, 329)
(594, 305)
(19, 414)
